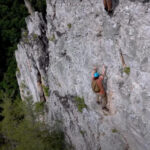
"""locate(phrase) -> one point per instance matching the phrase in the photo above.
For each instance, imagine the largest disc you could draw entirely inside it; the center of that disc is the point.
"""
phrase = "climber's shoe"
(98, 102)
(106, 112)
(105, 108)
(110, 12)
(106, 9)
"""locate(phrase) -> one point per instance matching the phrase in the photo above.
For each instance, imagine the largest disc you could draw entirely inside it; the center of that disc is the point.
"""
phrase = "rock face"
(55, 59)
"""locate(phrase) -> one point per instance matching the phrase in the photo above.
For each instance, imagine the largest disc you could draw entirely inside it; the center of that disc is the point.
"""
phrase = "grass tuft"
(80, 103)
(52, 38)
(39, 106)
(114, 130)
(22, 85)
(35, 36)
(127, 70)
(46, 90)
(69, 25)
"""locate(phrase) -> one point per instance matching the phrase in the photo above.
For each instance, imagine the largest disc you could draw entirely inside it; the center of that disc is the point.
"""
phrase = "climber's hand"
(95, 69)
(103, 70)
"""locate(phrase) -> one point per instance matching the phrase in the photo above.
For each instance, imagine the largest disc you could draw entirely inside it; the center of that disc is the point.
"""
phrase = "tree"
(21, 130)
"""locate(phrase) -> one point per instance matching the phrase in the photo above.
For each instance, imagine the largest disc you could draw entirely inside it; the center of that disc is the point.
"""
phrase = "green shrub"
(44, 78)
(18, 70)
(26, 41)
(39, 106)
(127, 70)
(114, 130)
(22, 132)
(52, 38)
(80, 103)
(12, 14)
(69, 25)
(82, 132)
(28, 93)
(35, 36)
(46, 90)
(22, 85)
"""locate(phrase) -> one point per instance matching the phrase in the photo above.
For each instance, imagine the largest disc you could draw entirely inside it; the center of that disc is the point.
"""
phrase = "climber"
(98, 87)
(108, 6)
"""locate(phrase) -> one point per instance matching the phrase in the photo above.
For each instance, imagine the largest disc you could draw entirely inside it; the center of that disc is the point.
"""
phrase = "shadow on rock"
(143, 1)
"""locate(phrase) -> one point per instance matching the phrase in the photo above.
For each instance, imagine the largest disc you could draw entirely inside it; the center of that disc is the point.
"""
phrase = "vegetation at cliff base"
(69, 25)
(39, 106)
(45, 89)
(20, 129)
(12, 19)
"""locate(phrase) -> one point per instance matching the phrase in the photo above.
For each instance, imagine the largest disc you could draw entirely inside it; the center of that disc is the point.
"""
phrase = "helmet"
(96, 74)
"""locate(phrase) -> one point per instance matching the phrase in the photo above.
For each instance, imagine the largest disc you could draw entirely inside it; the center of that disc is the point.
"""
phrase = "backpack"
(95, 87)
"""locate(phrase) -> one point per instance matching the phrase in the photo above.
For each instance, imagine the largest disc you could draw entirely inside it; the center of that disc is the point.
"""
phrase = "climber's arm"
(103, 71)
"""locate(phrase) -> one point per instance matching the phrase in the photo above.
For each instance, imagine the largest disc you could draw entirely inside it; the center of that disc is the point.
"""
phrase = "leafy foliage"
(127, 70)
(39, 106)
(114, 130)
(46, 90)
(39, 5)
(12, 14)
(80, 103)
(21, 130)
(69, 25)
(52, 38)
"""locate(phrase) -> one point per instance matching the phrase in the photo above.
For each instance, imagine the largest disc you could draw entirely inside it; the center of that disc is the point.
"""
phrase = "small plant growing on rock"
(21, 130)
(22, 85)
(69, 25)
(18, 70)
(35, 36)
(25, 34)
(46, 90)
(39, 106)
(127, 70)
(82, 132)
(52, 38)
(43, 78)
(26, 40)
(80, 103)
(28, 93)
(25, 37)
(114, 130)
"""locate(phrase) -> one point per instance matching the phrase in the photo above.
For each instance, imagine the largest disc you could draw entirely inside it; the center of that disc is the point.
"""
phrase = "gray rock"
(56, 58)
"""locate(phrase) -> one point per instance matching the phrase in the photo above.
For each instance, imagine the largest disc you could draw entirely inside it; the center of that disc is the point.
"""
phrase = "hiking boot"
(98, 102)
(106, 9)
(105, 109)
(110, 12)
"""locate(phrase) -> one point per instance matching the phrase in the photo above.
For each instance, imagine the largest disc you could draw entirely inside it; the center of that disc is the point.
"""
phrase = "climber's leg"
(109, 5)
(98, 99)
(104, 102)
(105, 5)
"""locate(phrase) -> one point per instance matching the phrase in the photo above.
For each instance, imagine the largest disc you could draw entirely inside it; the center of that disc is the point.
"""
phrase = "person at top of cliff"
(98, 88)
(108, 6)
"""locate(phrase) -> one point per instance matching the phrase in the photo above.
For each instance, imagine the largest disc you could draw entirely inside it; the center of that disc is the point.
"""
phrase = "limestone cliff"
(55, 59)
